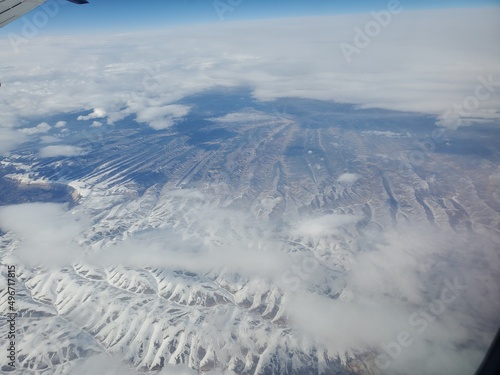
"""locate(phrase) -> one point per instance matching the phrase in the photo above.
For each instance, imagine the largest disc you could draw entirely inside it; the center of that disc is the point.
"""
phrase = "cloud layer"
(405, 66)
(60, 150)
(48, 233)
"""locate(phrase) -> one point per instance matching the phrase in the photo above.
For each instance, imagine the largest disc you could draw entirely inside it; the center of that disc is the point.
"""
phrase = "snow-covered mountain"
(255, 241)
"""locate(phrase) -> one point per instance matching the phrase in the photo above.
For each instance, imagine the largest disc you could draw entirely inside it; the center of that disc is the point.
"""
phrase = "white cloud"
(42, 127)
(96, 124)
(60, 150)
(246, 116)
(162, 117)
(96, 113)
(60, 124)
(217, 240)
(349, 178)
(398, 282)
(47, 231)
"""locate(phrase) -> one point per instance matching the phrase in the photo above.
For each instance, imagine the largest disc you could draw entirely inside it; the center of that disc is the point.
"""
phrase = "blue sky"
(126, 15)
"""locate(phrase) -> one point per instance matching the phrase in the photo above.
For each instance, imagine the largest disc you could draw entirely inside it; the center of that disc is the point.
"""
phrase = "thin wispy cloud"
(243, 117)
(43, 127)
(48, 233)
(61, 150)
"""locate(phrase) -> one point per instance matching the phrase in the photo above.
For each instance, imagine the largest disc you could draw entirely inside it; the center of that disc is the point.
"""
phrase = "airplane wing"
(11, 10)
